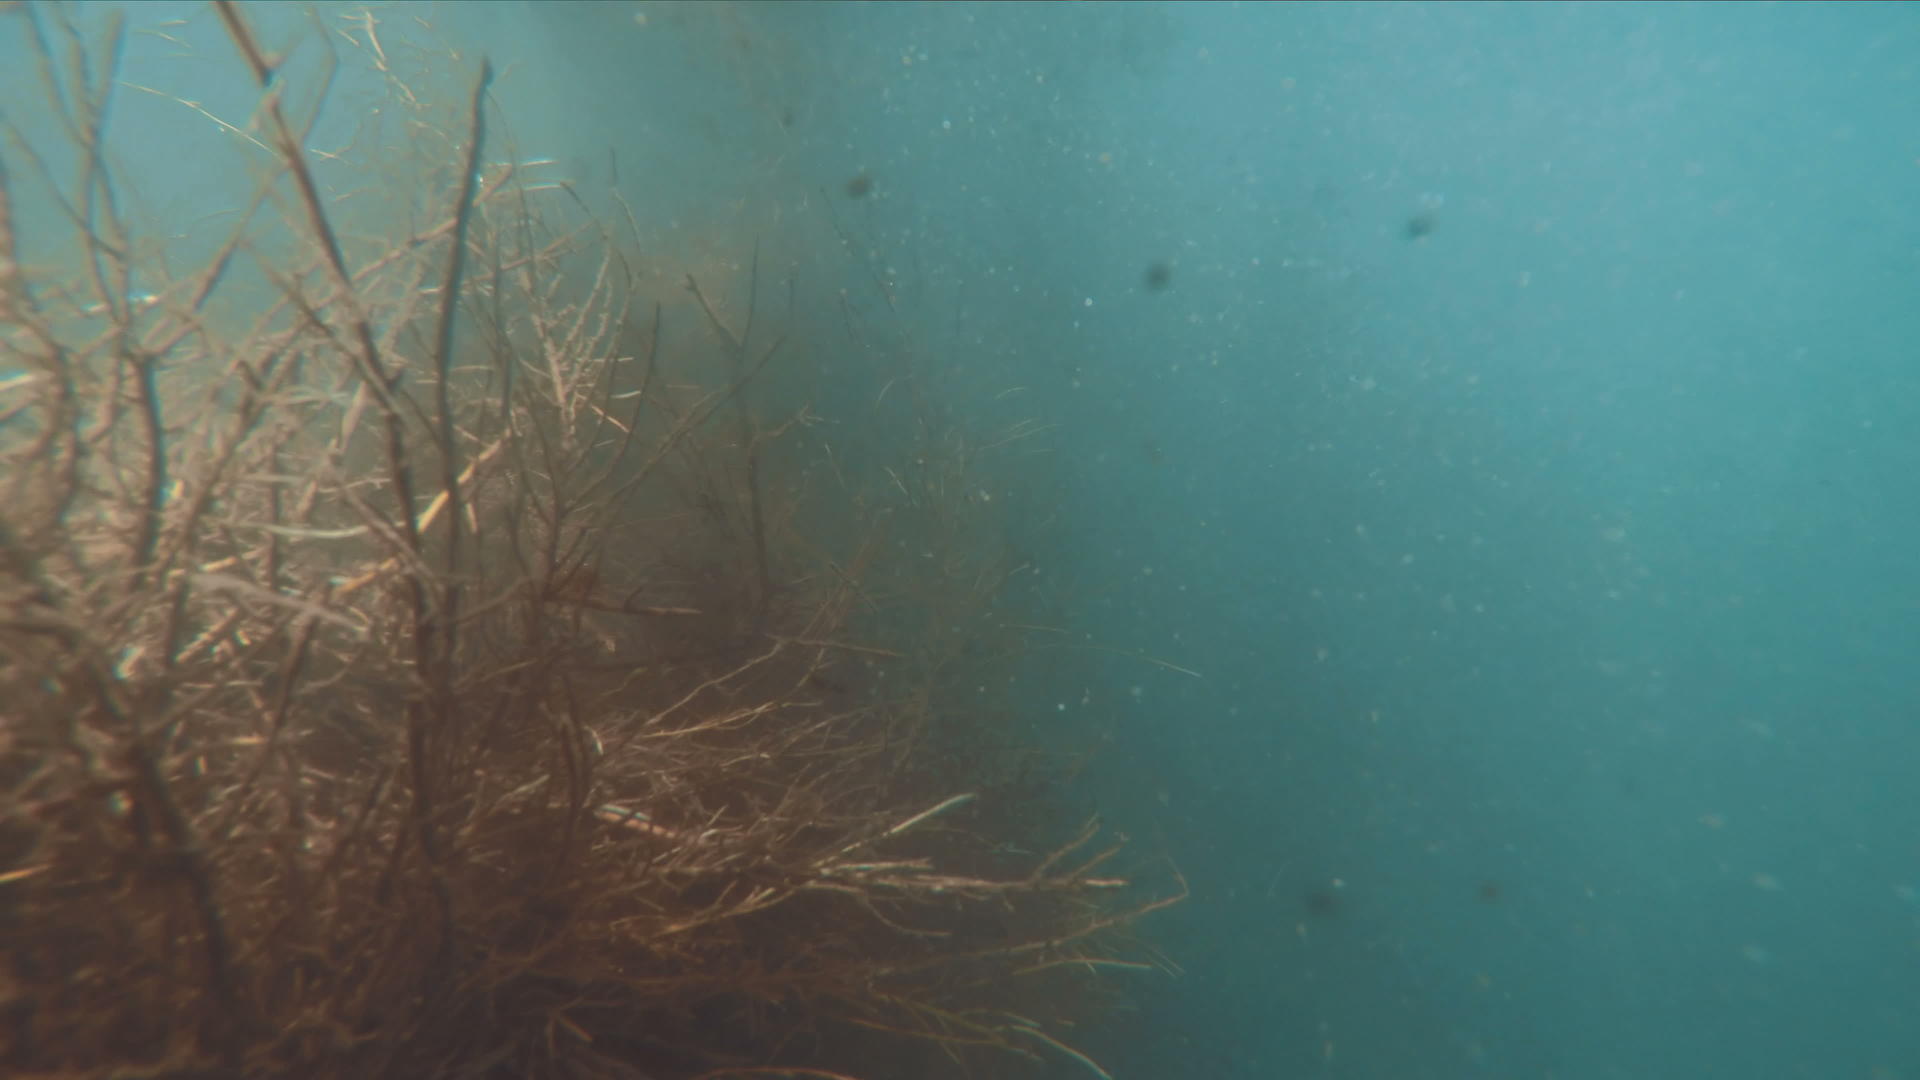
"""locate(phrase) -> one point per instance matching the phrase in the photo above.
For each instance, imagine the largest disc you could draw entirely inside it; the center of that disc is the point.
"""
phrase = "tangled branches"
(411, 678)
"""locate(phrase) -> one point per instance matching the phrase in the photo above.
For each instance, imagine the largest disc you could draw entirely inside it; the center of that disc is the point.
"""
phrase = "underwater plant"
(418, 659)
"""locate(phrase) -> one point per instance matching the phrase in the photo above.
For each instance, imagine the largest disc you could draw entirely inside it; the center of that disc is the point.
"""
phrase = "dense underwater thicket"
(440, 637)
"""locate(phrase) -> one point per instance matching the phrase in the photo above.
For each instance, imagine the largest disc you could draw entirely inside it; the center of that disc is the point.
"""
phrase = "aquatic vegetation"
(432, 665)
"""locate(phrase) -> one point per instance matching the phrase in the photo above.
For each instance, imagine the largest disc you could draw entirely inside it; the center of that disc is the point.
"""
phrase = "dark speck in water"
(1323, 903)
(1159, 275)
(859, 186)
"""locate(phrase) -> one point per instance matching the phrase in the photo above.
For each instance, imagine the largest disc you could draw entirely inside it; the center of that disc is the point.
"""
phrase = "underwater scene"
(890, 541)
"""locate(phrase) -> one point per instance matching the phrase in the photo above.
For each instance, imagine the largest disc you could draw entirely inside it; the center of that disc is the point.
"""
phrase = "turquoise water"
(1520, 447)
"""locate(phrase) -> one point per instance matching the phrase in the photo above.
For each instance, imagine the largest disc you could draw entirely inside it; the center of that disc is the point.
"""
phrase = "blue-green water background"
(1551, 574)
